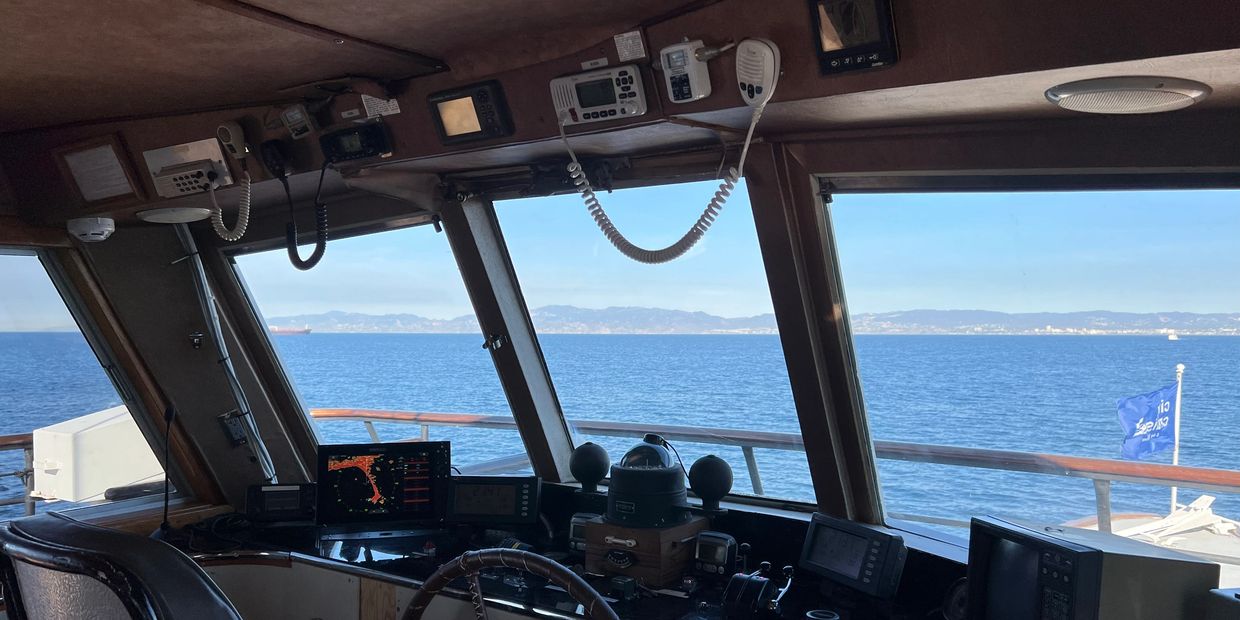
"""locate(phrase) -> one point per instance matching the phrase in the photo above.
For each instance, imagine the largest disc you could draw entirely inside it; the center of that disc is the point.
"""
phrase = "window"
(691, 343)
(383, 324)
(1017, 322)
(52, 386)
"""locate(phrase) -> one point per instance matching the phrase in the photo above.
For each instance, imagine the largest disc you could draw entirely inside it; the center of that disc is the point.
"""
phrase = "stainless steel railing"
(1103, 472)
(25, 443)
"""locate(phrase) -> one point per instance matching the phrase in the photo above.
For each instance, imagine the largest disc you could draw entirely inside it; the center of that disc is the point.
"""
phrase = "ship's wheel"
(470, 563)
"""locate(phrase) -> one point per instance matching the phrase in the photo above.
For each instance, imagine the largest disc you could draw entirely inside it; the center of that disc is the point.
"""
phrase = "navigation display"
(363, 483)
(839, 552)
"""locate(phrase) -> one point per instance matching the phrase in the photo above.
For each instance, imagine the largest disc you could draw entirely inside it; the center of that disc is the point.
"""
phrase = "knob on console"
(711, 478)
(589, 464)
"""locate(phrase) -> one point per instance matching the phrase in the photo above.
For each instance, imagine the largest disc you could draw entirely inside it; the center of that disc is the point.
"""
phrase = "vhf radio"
(599, 95)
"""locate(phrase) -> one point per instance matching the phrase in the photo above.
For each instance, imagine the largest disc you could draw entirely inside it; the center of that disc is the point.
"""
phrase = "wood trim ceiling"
(65, 63)
(72, 62)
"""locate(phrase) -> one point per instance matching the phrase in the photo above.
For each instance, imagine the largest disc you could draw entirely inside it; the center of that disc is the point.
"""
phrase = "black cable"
(169, 414)
(320, 224)
(678, 459)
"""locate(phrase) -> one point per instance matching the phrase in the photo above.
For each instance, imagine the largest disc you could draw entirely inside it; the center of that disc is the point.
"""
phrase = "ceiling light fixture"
(1127, 94)
(174, 215)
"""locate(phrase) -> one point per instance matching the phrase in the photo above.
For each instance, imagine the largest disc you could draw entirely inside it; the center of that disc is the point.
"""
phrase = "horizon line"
(749, 316)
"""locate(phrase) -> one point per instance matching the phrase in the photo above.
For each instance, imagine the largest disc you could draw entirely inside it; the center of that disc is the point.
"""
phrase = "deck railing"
(1103, 472)
(25, 443)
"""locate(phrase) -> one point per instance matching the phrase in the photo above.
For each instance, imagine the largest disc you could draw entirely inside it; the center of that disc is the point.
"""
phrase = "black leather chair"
(56, 568)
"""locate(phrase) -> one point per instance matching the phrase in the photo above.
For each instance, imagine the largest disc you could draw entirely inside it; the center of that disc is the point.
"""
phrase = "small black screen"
(351, 143)
(845, 24)
(282, 500)
(1012, 591)
(485, 499)
(839, 551)
(596, 93)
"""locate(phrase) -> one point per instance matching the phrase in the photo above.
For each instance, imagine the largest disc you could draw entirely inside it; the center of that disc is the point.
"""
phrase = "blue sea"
(1053, 394)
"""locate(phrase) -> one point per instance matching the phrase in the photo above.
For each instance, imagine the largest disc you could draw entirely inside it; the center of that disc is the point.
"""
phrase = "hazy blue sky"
(1131, 251)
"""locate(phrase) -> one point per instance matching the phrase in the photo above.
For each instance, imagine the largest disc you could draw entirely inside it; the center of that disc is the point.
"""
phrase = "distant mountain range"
(635, 320)
(548, 319)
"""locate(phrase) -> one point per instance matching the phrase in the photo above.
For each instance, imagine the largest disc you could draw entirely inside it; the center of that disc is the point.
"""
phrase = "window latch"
(495, 342)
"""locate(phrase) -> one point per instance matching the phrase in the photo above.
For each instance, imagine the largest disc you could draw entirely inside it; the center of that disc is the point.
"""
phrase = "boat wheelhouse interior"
(697, 309)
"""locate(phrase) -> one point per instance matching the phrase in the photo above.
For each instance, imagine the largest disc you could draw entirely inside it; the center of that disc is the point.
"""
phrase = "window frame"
(986, 182)
(67, 273)
(791, 241)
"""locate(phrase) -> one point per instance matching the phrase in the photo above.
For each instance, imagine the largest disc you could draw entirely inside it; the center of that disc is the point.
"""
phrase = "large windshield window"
(57, 406)
(688, 349)
(380, 334)
(1037, 337)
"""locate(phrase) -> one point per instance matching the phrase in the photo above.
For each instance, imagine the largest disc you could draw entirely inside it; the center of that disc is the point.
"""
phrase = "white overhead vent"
(1127, 95)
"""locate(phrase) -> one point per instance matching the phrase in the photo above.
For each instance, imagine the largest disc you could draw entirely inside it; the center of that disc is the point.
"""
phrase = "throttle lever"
(773, 606)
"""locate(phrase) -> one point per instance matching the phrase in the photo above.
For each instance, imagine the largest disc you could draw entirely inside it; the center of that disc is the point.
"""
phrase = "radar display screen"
(366, 483)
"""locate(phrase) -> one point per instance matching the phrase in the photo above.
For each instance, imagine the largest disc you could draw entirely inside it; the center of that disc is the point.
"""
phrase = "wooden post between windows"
(508, 332)
(189, 462)
(795, 239)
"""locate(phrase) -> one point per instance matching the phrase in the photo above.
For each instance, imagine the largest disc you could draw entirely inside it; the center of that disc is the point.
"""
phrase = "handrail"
(1158, 474)
(25, 443)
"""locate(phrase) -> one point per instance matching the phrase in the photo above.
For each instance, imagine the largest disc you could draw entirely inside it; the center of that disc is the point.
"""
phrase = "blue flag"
(1148, 421)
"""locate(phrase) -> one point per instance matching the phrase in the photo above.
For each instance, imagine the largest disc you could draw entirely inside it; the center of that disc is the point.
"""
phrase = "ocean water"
(1039, 394)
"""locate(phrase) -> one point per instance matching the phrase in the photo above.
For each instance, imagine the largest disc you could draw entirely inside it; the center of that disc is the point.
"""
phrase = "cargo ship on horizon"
(288, 331)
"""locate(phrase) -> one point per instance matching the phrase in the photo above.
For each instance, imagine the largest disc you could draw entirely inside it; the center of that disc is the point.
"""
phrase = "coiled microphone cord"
(695, 232)
(243, 213)
(320, 226)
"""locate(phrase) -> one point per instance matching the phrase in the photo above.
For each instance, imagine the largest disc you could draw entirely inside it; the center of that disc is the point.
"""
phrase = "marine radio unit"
(599, 95)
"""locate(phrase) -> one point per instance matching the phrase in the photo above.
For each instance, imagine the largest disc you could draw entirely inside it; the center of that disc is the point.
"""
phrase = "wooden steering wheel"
(470, 563)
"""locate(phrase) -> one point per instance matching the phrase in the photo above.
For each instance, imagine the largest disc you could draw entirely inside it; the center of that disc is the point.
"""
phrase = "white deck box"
(77, 460)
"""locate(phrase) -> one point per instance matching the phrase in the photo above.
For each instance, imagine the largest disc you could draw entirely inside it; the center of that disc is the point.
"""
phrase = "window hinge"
(825, 189)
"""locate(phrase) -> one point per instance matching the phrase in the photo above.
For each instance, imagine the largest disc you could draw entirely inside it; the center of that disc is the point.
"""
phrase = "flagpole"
(1175, 451)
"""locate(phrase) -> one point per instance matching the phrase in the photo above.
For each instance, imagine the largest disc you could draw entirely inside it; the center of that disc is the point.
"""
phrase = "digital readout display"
(845, 24)
(485, 499)
(459, 116)
(596, 93)
(839, 552)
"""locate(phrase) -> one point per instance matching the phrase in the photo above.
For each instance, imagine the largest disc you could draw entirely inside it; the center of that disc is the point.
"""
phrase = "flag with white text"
(1148, 421)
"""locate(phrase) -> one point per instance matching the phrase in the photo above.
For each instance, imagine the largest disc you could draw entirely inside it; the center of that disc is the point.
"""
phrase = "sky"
(1026, 252)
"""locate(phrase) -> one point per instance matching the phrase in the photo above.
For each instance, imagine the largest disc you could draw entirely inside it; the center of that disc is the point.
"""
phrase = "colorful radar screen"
(363, 483)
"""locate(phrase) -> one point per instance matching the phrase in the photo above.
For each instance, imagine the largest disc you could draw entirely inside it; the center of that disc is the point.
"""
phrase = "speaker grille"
(1126, 102)
(1127, 95)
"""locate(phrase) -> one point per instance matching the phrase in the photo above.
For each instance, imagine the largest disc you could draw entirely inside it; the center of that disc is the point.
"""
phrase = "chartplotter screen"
(365, 483)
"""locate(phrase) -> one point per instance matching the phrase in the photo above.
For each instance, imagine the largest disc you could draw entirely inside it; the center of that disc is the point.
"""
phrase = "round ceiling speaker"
(1127, 95)
(174, 215)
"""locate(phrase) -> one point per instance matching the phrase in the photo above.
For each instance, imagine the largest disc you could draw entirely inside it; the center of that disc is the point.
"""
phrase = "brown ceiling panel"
(477, 37)
(63, 62)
